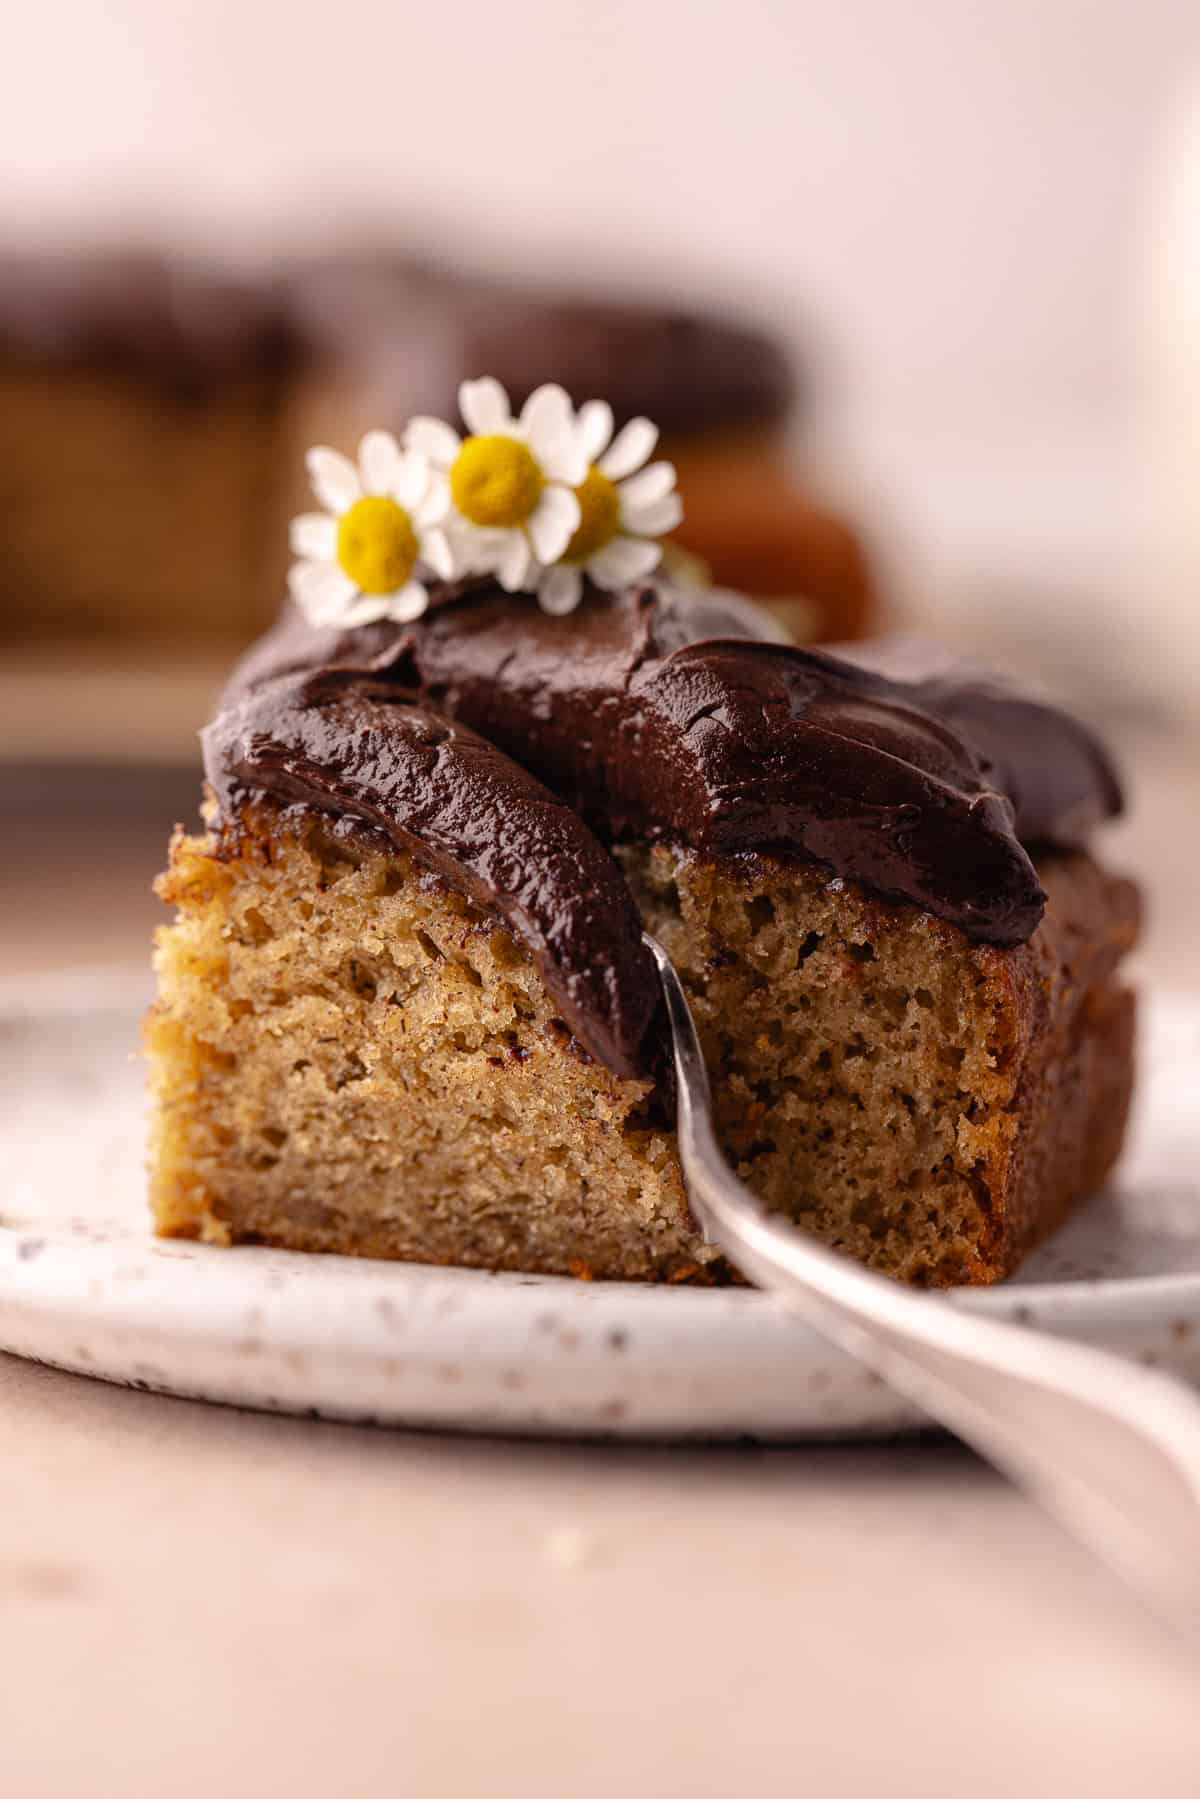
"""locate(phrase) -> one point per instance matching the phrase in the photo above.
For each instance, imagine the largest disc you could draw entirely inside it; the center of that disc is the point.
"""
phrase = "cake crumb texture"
(931, 1105)
(347, 1055)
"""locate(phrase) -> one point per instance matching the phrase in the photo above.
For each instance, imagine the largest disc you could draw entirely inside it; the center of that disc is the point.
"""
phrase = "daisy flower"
(511, 480)
(623, 505)
(361, 559)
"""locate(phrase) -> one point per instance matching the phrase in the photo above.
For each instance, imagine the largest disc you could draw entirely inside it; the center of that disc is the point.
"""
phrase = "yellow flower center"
(599, 516)
(494, 481)
(376, 544)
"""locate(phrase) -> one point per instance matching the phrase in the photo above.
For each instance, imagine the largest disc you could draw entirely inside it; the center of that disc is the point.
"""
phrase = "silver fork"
(1110, 1449)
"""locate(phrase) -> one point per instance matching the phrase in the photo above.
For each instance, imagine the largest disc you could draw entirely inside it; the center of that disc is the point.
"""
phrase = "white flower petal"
(437, 552)
(632, 446)
(484, 406)
(378, 459)
(334, 478)
(652, 520)
(314, 535)
(320, 589)
(546, 417)
(475, 552)
(560, 590)
(623, 561)
(595, 424)
(490, 548)
(410, 481)
(470, 557)
(513, 566)
(553, 522)
(367, 609)
(433, 438)
(549, 425)
(653, 483)
(409, 602)
(565, 461)
(436, 504)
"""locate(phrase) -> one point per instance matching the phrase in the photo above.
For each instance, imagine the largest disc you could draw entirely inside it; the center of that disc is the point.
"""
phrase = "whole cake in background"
(405, 1009)
(129, 376)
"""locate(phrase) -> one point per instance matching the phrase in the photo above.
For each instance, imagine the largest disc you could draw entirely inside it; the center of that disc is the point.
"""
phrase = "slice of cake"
(405, 1009)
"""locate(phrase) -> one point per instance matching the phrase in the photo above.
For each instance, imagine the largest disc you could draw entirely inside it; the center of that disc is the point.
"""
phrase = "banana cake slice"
(405, 1011)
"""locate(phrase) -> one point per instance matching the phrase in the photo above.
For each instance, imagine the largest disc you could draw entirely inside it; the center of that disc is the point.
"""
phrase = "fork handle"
(1109, 1448)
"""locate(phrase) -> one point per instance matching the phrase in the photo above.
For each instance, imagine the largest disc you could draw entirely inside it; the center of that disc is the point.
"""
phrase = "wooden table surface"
(195, 1601)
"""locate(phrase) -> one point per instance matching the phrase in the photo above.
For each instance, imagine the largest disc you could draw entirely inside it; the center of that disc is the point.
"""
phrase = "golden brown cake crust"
(347, 1056)
(1073, 1097)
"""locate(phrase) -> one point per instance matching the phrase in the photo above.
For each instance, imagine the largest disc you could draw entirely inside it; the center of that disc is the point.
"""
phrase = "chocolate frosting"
(413, 340)
(651, 716)
(137, 311)
(407, 332)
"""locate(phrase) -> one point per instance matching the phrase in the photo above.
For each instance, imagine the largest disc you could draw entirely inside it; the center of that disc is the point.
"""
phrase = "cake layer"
(931, 1105)
(348, 1055)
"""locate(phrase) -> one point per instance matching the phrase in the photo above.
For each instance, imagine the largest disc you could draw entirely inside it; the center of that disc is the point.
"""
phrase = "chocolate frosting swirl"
(652, 717)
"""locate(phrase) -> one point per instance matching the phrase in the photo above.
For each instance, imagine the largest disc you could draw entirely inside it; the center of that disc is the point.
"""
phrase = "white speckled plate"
(84, 1286)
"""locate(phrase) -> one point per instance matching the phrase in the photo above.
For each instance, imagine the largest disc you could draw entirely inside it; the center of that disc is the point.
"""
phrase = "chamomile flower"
(623, 507)
(364, 557)
(512, 481)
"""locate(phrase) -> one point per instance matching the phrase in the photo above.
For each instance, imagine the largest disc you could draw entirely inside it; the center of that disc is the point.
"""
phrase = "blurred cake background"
(912, 293)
